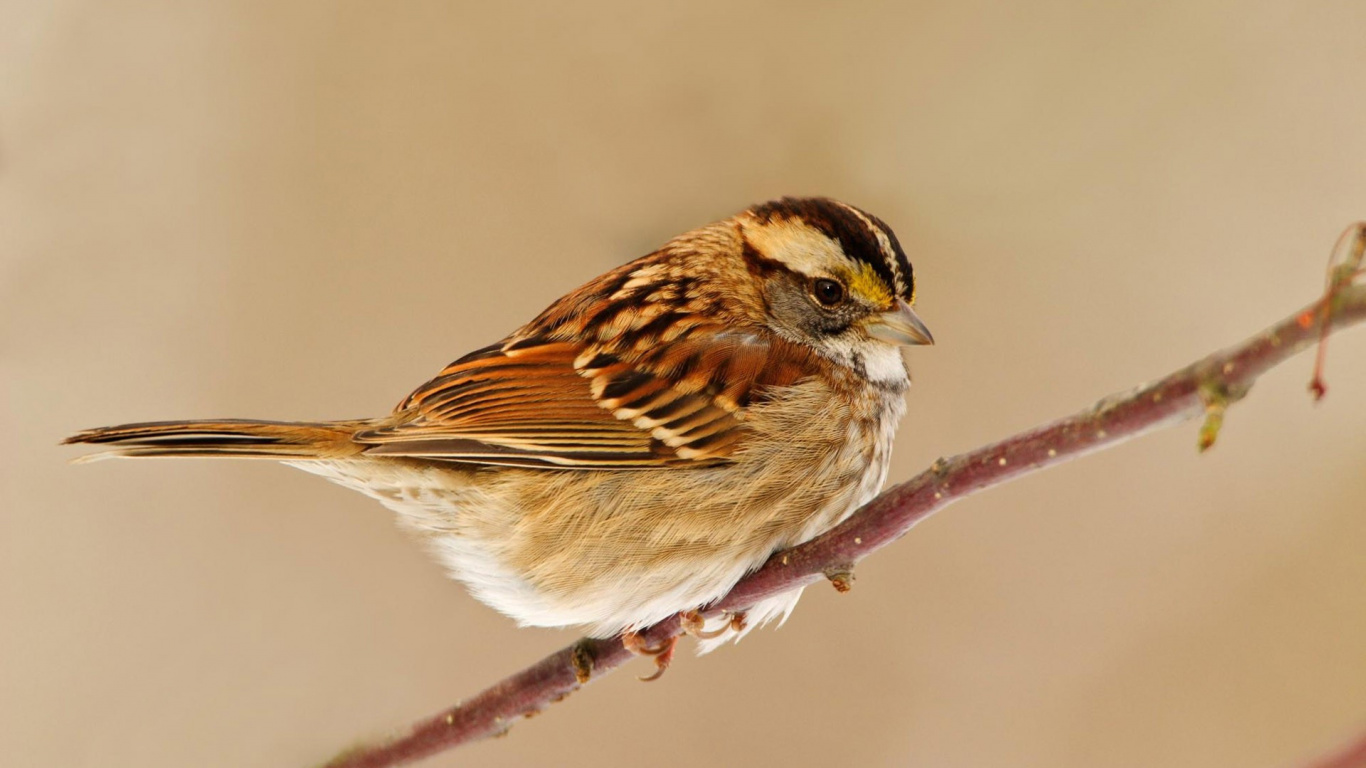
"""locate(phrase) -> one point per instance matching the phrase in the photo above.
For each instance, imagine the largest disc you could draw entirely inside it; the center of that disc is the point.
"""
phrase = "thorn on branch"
(841, 577)
(1344, 267)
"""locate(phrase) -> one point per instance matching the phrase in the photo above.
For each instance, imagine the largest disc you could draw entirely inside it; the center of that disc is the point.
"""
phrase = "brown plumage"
(648, 439)
(225, 438)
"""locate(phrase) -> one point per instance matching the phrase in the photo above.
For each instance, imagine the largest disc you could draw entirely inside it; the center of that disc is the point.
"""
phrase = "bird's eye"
(828, 292)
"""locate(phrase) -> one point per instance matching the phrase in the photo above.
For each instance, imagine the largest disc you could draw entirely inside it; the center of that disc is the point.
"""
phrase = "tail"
(228, 438)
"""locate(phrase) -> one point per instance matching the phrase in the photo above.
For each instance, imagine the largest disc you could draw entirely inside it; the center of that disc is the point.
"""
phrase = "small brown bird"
(646, 441)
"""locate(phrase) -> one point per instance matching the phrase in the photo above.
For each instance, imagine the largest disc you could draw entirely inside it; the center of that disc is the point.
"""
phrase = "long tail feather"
(225, 438)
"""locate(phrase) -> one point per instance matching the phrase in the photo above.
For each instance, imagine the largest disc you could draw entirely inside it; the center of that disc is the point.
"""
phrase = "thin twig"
(1205, 387)
(1345, 264)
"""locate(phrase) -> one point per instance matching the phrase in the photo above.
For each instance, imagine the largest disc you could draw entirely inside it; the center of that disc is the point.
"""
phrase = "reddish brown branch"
(1351, 755)
(1205, 387)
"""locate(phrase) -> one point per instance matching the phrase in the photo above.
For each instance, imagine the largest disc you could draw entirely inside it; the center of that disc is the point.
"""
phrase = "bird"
(646, 441)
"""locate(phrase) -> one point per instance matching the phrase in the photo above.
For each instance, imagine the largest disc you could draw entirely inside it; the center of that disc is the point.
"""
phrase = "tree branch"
(1352, 755)
(1207, 387)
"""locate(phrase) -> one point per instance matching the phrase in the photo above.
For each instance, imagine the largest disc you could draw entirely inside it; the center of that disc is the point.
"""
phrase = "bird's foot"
(662, 652)
(694, 624)
(738, 621)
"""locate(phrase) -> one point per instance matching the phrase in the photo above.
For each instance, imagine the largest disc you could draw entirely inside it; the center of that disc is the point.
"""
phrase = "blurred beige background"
(289, 210)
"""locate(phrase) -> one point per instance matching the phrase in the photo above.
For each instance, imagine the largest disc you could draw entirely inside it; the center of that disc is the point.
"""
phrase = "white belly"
(623, 550)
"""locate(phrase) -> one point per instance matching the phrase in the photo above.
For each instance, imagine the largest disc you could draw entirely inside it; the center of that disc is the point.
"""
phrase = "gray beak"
(900, 326)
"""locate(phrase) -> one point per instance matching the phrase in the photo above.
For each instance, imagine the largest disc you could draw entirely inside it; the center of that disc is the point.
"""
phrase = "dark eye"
(828, 292)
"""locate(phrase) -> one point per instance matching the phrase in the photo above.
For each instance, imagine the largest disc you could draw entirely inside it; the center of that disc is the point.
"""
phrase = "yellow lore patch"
(867, 284)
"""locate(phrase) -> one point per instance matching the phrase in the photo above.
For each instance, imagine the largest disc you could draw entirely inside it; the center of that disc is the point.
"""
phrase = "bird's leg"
(662, 653)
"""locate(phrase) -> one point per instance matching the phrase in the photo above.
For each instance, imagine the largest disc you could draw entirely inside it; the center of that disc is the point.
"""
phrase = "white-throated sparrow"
(647, 440)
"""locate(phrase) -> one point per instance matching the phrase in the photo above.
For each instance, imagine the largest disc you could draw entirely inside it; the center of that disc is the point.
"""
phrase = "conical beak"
(900, 326)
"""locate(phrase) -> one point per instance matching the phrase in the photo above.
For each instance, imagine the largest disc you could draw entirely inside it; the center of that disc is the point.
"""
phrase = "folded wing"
(538, 402)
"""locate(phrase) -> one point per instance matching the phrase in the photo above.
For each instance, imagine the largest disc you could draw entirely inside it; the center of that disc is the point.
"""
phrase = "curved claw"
(663, 653)
(738, 621)
(694, 625)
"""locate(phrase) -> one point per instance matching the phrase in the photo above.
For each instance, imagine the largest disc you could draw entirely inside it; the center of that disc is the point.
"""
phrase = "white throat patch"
(884, 363)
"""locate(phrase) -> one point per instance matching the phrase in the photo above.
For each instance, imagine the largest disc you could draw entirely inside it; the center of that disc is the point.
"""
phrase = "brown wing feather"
(545, 403)
(652, 364)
